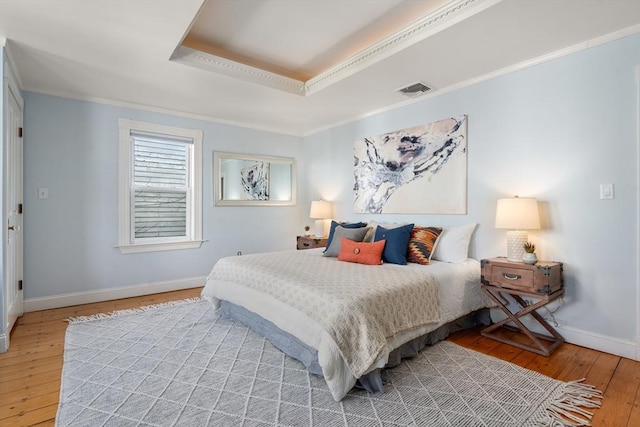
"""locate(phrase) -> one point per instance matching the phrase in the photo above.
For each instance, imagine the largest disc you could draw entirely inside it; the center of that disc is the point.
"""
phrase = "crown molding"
(448, 15)
(206, 61)
(161, 110)
(578, 47)
(428, 25)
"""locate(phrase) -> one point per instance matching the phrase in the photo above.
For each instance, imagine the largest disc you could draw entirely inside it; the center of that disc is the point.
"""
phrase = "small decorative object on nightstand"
(310, 242)
(541, 282)
(529, 256)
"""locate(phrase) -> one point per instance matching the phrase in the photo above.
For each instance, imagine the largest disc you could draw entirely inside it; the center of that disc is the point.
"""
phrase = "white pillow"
(453, 243)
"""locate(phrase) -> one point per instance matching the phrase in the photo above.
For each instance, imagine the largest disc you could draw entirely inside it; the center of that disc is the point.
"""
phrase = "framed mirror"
(253, 180)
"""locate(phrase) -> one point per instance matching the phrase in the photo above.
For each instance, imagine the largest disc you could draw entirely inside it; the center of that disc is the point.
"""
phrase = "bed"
(342, 320)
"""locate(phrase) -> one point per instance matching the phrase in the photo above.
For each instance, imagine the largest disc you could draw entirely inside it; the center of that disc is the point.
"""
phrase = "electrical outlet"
(43, 193)
(606, 191)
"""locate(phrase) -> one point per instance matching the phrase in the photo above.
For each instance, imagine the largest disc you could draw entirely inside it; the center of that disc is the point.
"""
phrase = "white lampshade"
(321, 212)
(320, 209)
(518, 214)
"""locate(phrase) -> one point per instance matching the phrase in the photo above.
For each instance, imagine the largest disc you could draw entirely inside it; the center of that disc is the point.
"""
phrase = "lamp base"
(515, 244)
(321, 228)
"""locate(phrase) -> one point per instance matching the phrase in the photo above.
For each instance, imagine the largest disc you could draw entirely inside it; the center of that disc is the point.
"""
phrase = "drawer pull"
(511, 276)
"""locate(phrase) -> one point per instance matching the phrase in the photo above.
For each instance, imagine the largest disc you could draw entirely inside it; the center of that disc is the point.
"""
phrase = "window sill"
(156, 247)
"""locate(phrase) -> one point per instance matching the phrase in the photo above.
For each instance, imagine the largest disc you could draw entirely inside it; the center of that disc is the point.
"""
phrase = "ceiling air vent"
(415, 89)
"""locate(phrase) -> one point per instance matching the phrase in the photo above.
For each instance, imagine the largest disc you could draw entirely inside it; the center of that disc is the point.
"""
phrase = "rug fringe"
(124, 312)
(568, 408)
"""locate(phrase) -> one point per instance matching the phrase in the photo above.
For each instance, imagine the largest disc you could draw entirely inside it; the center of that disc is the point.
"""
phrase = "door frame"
(638, 210)
(10, 87)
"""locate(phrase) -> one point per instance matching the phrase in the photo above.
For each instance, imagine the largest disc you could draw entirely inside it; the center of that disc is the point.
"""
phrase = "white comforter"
(230, 281)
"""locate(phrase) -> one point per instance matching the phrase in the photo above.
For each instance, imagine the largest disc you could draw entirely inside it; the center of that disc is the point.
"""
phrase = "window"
(160, 187)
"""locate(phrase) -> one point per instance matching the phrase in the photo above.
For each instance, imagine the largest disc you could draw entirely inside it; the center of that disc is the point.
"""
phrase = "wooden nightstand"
(541, 282)
(310, 242)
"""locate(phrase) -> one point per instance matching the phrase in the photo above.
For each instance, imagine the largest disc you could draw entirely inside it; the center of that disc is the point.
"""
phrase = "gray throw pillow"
(355, 234)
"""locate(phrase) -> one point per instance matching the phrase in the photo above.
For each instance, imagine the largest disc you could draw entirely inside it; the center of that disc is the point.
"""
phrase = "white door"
(13, 209)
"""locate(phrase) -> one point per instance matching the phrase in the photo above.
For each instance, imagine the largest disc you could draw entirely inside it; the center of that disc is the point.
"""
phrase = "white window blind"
(160, 190)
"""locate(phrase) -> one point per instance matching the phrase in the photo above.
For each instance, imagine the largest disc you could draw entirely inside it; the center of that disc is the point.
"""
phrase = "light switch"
(606, 191)
(43, 193)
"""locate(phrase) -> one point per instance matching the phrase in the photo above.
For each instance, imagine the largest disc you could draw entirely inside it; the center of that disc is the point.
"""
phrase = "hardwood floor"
(30, 371)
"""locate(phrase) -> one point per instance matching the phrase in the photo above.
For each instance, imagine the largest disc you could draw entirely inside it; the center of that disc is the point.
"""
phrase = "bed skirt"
(373, 381)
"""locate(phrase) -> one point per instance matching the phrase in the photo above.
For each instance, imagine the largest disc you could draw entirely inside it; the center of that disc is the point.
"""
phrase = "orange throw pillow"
(361, 252)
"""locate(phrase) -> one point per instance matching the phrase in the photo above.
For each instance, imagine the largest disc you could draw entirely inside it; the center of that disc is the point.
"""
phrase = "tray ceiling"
(287, 65)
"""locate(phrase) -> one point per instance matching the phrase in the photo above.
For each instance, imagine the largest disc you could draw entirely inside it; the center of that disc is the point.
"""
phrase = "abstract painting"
(255, 181)
(416, 170)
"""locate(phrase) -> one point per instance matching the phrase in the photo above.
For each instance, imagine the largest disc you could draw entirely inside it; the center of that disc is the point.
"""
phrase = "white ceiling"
(290, 37)
(292, 66)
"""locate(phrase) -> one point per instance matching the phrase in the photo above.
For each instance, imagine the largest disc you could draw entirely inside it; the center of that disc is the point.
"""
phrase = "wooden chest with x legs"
(540, 283)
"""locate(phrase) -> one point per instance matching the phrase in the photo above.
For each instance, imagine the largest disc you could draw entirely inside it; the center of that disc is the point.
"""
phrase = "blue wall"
(71, 148)
(554, 131)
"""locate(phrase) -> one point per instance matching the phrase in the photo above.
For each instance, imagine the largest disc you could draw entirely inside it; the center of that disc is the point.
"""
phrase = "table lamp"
(320, 211)
(518, 214)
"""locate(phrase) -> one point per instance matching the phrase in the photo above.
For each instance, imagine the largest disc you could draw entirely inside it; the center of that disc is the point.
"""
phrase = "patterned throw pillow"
(421, 244)
(361, 252)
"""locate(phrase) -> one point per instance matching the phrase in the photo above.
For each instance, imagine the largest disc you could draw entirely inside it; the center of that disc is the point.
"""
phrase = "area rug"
(182, 364)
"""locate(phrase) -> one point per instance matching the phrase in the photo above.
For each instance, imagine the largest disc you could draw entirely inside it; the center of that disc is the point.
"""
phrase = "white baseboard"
(3, 343)
(617, 346)
(77, 298)
(592, 340)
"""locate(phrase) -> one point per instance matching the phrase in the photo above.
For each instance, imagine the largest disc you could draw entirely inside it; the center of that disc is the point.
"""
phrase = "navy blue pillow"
(395, 250)
(334, 224)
